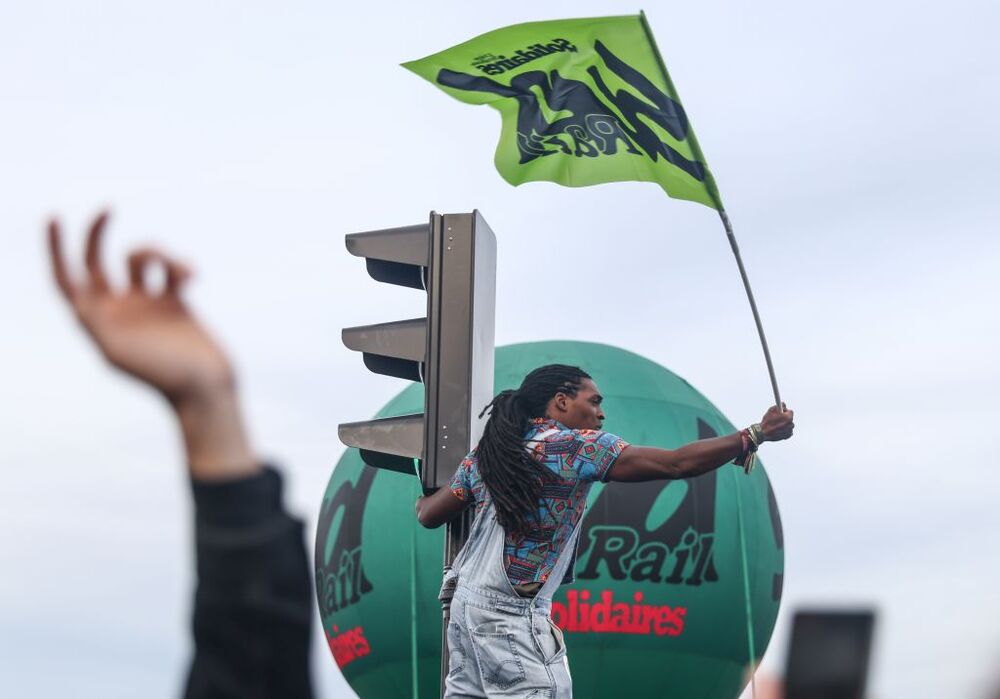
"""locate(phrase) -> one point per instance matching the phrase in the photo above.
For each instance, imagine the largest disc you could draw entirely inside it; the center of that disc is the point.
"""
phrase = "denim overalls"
(501, 644)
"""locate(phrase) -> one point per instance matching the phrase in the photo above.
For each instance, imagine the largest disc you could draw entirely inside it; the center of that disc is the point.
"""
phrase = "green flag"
(583, 101)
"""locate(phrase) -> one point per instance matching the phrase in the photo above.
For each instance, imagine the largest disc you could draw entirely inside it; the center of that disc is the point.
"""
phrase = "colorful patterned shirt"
(578, 458)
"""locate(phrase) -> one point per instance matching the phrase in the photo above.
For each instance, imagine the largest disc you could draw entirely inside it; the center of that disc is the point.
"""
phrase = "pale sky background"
(855, 145)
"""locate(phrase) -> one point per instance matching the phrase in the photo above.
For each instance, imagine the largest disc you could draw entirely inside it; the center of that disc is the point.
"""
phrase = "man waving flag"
(583, 101)
(586, 101)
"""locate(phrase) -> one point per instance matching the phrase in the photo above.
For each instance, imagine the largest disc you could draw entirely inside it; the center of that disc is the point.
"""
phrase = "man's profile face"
(582, 411)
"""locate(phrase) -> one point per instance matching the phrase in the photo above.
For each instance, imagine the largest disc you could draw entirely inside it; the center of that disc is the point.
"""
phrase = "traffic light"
(452, 258)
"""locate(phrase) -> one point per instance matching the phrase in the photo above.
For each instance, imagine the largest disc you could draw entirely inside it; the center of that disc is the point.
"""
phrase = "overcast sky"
(854, 143)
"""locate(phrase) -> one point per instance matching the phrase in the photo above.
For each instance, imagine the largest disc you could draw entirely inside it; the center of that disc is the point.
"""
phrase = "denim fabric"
(501, 644)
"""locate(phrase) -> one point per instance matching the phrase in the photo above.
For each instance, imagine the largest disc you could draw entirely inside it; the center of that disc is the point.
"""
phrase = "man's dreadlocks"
(513, 477)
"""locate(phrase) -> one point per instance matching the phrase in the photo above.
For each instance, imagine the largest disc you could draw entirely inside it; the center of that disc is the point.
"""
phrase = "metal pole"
(456, 533)
(777, 401)
(753, 305)
(713, 192)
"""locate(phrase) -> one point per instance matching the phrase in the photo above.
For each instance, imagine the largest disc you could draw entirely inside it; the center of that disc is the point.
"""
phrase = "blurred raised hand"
(153, 336)
(149, 334)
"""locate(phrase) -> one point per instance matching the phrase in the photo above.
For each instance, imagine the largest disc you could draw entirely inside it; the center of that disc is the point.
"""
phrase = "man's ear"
(559, 401)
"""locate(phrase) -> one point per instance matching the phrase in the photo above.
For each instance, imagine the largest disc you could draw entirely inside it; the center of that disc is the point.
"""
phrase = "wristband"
(748, 457)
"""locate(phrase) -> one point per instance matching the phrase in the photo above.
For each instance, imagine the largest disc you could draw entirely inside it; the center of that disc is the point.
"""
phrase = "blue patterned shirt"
(577, 458)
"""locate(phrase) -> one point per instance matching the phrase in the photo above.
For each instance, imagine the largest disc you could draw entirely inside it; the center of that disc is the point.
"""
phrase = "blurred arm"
(252, 608)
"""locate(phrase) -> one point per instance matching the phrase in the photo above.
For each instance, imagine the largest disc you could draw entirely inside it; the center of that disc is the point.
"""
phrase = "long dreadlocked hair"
(513, 477)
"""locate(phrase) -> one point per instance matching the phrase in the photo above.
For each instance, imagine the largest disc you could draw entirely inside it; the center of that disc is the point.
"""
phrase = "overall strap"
(477, 539)
(480, 562)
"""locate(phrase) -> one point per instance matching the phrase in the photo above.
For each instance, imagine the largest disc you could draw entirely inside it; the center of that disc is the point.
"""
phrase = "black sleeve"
(253, 604)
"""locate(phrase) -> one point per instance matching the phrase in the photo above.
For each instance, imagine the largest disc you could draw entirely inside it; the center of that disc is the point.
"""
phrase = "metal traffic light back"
(452, 257)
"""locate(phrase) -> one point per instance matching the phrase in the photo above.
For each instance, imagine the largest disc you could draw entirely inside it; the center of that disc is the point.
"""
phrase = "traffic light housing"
(452, 258)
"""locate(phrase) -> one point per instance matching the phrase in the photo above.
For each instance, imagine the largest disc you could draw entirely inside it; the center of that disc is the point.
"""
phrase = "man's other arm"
(439, 507)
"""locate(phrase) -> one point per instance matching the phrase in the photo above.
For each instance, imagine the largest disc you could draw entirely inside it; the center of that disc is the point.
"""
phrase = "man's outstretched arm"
(639, 463)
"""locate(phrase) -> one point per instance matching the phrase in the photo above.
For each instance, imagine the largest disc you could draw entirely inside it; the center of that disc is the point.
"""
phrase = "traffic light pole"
(456, 534)
(453, 258)
(466, 286)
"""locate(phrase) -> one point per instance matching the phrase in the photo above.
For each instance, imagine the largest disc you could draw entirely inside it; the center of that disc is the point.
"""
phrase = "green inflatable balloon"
(678, 582)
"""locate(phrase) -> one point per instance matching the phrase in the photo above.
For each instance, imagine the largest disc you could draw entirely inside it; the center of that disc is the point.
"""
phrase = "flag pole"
(753, 305)
(714, 193)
